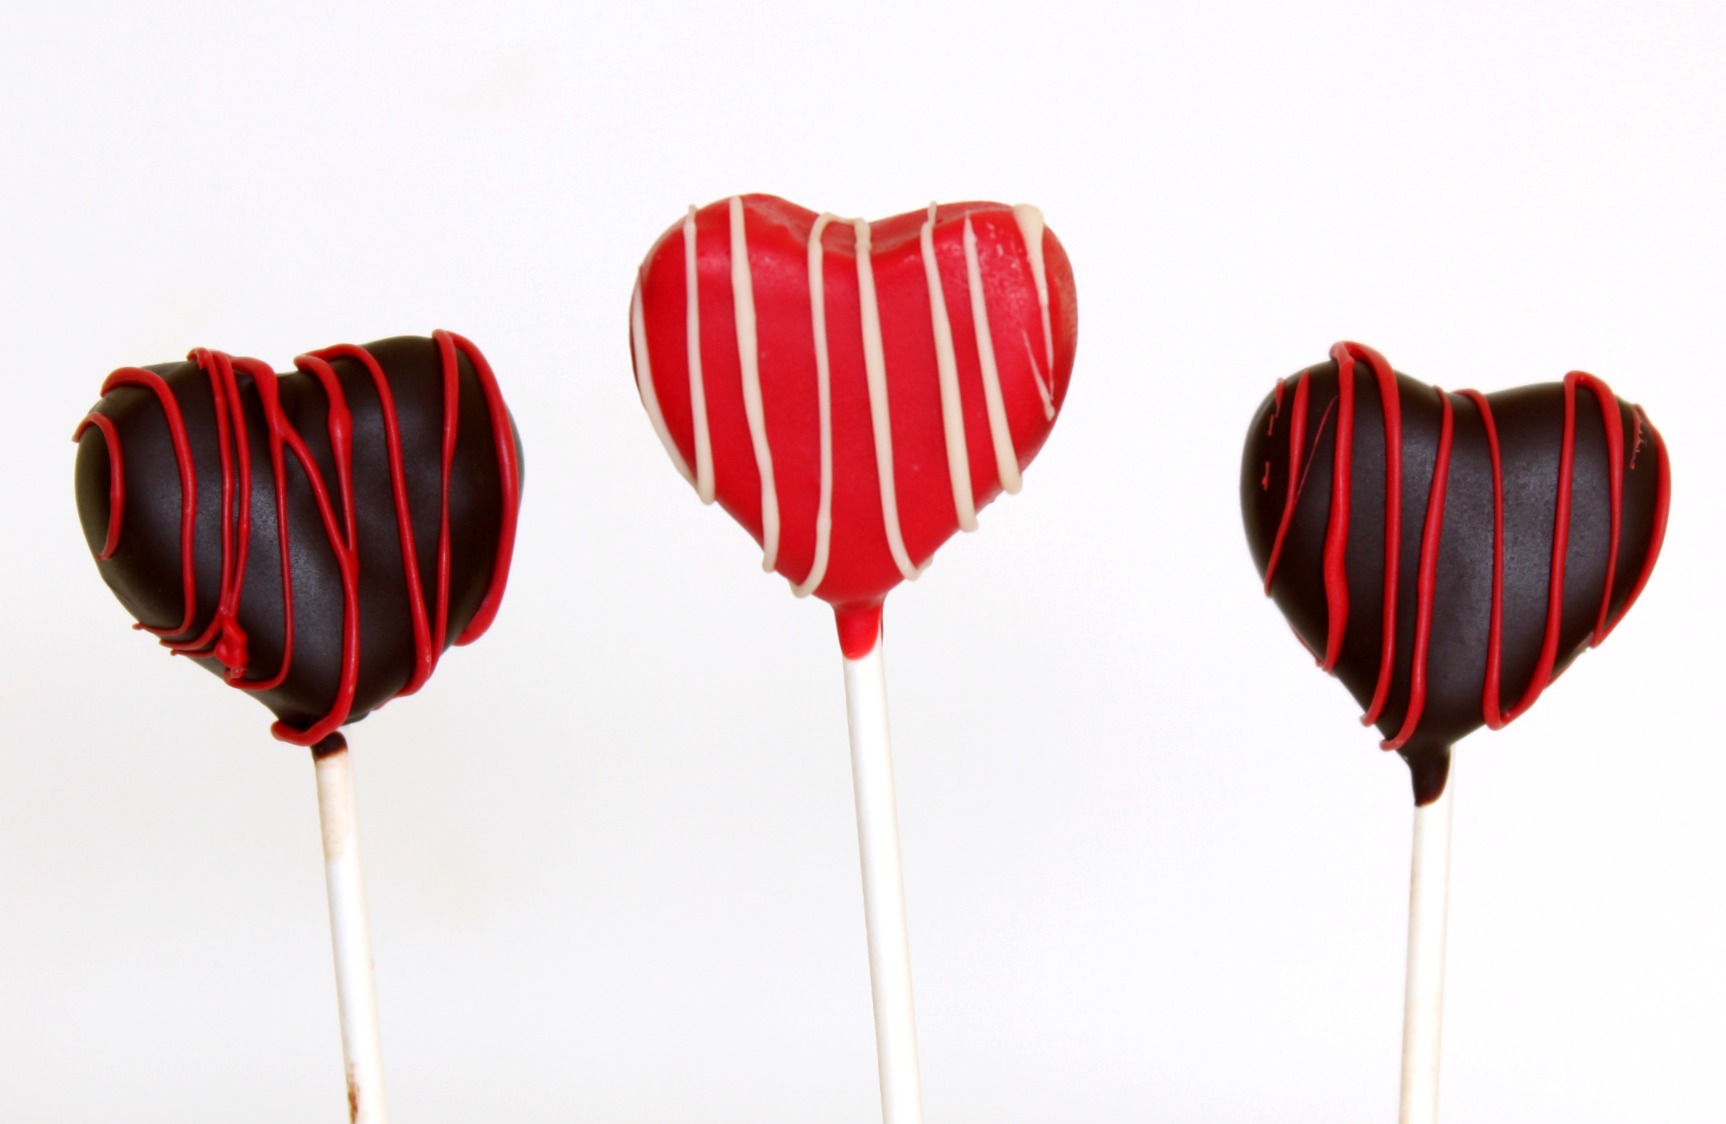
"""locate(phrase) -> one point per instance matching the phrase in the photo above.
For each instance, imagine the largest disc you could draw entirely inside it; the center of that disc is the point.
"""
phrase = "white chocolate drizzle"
(947, 371)
(644, 381)
(1030, 221)
(1043, 388)
(1006, 457)
(824, 400)
(749, 360)
(875, 369)
(697, 388)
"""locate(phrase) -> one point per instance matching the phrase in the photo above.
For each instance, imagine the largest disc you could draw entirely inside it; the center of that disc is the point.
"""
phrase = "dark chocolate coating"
(1530, 428)
(145, 571)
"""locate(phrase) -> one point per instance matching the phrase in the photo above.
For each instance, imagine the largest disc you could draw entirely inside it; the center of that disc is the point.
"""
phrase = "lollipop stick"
(883, 888)
(1423, 1001)
(356, 991)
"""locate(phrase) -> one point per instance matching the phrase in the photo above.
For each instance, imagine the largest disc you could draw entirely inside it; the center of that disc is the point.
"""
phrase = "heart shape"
(798, 370)
(1541, 513)
(316, 538)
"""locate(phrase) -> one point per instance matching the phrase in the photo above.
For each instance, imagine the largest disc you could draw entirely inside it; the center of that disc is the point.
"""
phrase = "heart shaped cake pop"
(853, 392)
(1447, 555)
(316, 538)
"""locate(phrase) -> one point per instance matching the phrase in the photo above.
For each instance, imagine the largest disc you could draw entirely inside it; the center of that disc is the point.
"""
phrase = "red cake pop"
(798, 371)
(853, 393)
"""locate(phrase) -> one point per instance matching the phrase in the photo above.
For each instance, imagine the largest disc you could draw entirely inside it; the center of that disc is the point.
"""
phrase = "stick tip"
(859, 627)
(1429, 769)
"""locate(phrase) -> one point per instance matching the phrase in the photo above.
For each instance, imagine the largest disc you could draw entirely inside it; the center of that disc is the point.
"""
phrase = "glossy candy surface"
(1447, 555)
(317, 538)
(852, 392)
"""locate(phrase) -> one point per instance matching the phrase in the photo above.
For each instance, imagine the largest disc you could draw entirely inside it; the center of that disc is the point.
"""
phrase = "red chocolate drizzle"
(223, 638)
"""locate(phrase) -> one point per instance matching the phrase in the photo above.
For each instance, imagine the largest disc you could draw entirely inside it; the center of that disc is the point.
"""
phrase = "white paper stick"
(1423, 1002)
(883, 889)
(356, 991)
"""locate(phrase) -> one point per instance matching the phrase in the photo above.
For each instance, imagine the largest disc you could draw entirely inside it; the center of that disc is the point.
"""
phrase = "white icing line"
(875, 368)
(644, 381)
(824, 397)
(1030, 221)
(1043, 388)
(1006, 457)
(697, 388)
(749, 358)
(947, 370)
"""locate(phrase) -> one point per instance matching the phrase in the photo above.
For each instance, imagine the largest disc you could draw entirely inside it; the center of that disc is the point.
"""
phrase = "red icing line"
(149, 380)
(1336, 530)
(859, 627)
(1297, 434)
(1391, 405)
(1614, 427)
(116, 478)
(264, 381)
(1426, 584)
(509, 481)
(1662, 504)
(223, 638)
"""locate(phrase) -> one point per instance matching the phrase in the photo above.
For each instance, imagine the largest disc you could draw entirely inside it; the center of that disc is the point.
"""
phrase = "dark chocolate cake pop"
(317, 538)
(1447, 555)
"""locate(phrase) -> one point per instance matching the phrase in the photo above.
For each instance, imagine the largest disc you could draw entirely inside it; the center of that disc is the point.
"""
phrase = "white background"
(1156, 870)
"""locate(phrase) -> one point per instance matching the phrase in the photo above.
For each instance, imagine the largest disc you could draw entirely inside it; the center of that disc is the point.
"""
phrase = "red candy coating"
(943, 425)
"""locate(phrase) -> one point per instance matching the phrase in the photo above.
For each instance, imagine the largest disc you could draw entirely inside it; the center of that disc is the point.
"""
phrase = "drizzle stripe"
(824, 399)
(947, 372)
(697, 385)
(509, 484)
(1426, 585)
(1006, 457)
(1614, 427)
(116, 479)
(749, 358)
(1030, 221)
(1336, 531)
(875, 369)
(151, 381)
(1390, 399)
(275, 424)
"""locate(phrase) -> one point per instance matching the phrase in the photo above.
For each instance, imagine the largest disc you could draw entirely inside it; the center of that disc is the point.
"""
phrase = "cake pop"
(317, 539)
(1447, 556)
(853, 393)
